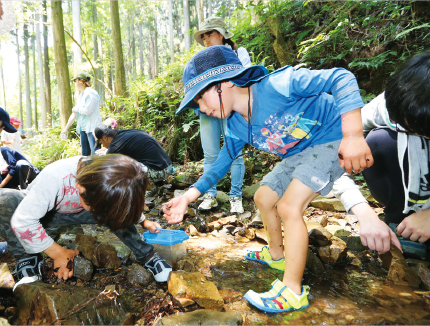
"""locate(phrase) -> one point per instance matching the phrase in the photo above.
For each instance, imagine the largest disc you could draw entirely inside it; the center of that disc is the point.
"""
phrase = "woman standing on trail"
(86, 112)
(213, 32)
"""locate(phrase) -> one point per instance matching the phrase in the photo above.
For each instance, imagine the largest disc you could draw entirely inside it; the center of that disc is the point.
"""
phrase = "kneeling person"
(107, 190)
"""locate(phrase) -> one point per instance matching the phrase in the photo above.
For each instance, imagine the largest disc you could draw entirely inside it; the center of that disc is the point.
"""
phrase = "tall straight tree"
(209, 4)
(2, 81)
(33, 50)
(27, 78)
(141, 62)
(77, 53)
(133, 49)
(187, 25)
(97, 86)
(151, 49)
(120, 84)
(46, 65)
(172, 51)
(61, 62)
(21, 115)
(40, 65)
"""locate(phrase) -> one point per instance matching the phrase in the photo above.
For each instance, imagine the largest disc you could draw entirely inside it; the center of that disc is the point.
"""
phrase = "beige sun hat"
(7, 16)
(210, 24)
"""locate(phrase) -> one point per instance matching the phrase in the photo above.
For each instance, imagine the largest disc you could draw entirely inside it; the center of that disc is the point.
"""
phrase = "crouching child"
(107, 190)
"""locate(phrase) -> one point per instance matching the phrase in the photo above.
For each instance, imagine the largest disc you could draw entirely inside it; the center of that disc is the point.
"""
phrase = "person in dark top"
(21, 171)
(138, 145)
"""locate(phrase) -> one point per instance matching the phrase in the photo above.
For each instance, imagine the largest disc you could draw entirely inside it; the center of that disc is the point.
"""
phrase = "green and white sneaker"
(236, 205)
(264, 257)
(208, 203)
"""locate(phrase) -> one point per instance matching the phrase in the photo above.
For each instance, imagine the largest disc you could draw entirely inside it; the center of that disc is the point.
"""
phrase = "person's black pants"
(384, 177)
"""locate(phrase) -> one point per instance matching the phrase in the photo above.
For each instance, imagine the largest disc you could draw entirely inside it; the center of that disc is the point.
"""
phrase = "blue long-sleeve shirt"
(291, 111)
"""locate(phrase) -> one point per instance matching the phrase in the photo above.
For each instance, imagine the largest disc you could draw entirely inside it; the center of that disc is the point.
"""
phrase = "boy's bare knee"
(265, 198)
(288, 210)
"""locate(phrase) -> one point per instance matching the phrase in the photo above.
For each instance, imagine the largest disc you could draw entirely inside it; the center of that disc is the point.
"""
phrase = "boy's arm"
(62, 257)
(5, 181)
(354, 153)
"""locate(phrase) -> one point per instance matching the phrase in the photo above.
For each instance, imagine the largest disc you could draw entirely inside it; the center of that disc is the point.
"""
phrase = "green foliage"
(48, 147)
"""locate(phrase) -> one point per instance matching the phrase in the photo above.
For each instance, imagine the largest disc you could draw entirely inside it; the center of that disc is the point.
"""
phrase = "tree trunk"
(27, 80)
(172, 52)
(151, 54)
(21, 115)
(97, 86)
(77, 53)
(41, 83)
(120, 84)
(33, 48)
(133, 51)
(61, 62)
(156, 47)
(46, 64)
(142, 63)
(209, 4)
(2, 82)
(200, 14)
(279, 44)
(187, 36)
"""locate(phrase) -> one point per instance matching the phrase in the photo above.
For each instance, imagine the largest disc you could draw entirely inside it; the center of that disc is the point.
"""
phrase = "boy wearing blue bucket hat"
(310, 118)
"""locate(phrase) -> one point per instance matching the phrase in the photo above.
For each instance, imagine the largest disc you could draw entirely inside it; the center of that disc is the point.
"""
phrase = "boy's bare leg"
(290, 209)
(266, 199)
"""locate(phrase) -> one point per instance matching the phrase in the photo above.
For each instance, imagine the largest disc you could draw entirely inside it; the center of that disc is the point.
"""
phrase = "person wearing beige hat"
(214, 32)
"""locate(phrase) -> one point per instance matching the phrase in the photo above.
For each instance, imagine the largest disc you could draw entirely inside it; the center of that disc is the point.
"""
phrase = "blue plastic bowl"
(3, 247)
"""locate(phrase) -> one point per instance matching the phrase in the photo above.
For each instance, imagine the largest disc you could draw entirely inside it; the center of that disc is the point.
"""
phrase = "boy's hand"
(151, 226)
(63, 260)
(175, 209)
(354, 154)
(416, 227)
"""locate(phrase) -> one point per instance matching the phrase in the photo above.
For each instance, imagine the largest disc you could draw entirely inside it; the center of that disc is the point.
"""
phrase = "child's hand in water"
(151, 226)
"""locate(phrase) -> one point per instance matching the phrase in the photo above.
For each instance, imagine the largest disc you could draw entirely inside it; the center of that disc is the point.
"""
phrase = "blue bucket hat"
(214, 64)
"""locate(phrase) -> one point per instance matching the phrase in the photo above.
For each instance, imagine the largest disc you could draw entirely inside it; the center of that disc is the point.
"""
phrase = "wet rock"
(320, 219)
(424, 274)
(83, 268)
(398, 270)
(101, 255)
(328, 204)
(137, 274)
(203, 317)
(314, 264)
(412, 262)
(230, 295)
(249, 192)
(256, 219)
(332, 228)
(222, 197)
(334, 252)
(216, 225)
(191, 230)
(40, 303)
(67, 240)
(353, 260)
(6, 278)
(196, 287)
(261, 234)
(200, 224)
(250, 234)
(178, 192)
(342, 233)
(318, 236)
(354, 243)
(190, 212)
(185, 302)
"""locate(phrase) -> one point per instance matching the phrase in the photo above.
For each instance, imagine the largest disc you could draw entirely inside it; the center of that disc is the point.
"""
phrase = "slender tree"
(61, 62)
(77, 53)
(40, 64)
(172, 51)
(133, 48)
(187, 25)
(120, 84)
(141, 62)
(2, 81)
(27, 78)
(97, 86)
(46, 65)
(33, 50)
(21, 115)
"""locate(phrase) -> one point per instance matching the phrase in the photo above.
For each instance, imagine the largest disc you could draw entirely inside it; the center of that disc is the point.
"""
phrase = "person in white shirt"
(12, 140)
(86, 112)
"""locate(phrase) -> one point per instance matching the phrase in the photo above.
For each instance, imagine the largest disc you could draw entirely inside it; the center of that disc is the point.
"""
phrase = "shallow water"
(345, 295)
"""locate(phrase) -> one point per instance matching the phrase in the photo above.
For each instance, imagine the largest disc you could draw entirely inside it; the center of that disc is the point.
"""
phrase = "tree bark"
(279, 44)
(172, 52)
(61, 62)
(200, 14)
(209, 4)
(133, 50)
(27, 79)
(151, 49)
(97, 86)
(46, 64)
(41, 82)
(141, 62)
(2, 83)
(21, 115)
(120, 84)
(187, 36)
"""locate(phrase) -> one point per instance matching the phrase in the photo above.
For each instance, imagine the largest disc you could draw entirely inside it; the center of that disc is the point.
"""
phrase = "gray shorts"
(317, 167)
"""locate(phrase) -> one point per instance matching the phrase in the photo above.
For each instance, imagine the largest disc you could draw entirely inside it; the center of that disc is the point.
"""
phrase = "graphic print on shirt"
(69, 202)
(282, 132)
